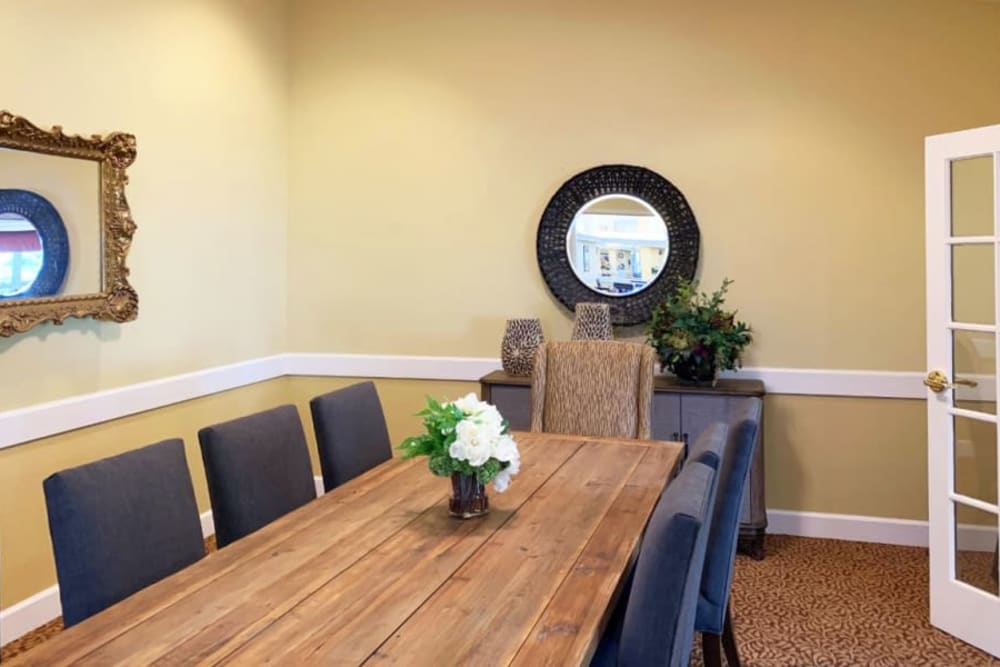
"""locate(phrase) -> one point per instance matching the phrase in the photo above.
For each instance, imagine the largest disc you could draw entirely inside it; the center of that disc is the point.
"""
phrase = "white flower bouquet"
(466, 437)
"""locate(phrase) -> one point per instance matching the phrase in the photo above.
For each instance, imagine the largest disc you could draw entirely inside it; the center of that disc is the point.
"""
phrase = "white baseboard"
(23, 617)
(976, 538)
(847, 527)
(879, 530)
(207, 524)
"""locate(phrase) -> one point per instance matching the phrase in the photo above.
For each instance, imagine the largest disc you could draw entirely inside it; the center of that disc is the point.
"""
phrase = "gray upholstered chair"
(257, 469)
(351, 434)
(121, 524)
(653, 623)
(589, 387)
(714, 618)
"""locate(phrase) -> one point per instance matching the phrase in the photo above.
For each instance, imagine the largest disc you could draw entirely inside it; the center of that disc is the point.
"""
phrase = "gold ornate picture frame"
(116, 301)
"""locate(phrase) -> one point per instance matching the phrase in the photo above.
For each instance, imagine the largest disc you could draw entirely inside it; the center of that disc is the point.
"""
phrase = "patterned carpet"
(821, 602)
(826, 602)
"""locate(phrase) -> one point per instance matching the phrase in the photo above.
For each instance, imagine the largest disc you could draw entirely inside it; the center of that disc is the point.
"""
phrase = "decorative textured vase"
(468, 497)
(521, 340)
(593, 322)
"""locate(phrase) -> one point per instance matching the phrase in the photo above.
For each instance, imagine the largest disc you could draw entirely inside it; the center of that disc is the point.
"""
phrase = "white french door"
(963, 266)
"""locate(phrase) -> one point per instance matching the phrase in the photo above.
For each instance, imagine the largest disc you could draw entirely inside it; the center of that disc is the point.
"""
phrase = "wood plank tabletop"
(376, 571)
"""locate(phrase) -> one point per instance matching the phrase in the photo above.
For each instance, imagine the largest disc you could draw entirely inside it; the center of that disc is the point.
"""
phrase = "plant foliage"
(466, 436)
(694, 335)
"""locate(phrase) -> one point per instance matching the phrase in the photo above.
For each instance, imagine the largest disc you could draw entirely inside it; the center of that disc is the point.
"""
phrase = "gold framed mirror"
(65, 226)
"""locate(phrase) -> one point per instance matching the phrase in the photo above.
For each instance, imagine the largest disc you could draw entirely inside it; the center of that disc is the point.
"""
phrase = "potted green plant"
(694, 336)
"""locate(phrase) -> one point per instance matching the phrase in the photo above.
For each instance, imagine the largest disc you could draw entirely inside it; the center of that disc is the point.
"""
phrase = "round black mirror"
(34, 250)
(617, 234)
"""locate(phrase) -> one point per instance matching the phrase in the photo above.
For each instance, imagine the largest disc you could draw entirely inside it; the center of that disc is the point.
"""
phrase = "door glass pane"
(975, 548)
(973, 283)
(976, 459)
(972, 196)
(974, 361)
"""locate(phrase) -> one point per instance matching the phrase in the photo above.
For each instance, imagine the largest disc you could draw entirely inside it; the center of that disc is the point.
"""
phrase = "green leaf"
(692, 328)
(488, 471)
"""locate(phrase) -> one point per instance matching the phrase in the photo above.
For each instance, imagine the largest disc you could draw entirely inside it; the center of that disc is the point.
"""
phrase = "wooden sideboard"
(680, 412)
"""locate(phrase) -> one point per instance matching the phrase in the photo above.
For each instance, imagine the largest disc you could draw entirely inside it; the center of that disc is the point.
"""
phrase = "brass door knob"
(938, 382)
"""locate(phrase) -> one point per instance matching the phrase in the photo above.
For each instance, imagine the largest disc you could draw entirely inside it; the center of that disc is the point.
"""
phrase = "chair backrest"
(257, 469)
(658, 626)
(121, 524)
(590, 387)
(710, 445)
(721, 554)
(351, 434)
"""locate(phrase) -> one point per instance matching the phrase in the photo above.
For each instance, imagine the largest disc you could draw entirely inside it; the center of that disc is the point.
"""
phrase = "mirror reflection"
(617, 245)
(21, 255)
(73, 188)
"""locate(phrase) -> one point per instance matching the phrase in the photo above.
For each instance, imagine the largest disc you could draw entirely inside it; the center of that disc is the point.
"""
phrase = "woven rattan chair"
(598, 388)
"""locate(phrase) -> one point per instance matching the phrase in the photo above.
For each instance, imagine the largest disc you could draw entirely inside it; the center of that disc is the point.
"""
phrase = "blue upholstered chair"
(653, 623)
(257, 469)
(121, 524)
(714, 619)
(710, 445)
(350, 432)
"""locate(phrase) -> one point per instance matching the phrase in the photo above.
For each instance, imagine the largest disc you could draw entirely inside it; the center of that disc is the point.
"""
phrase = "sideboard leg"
(752, 545)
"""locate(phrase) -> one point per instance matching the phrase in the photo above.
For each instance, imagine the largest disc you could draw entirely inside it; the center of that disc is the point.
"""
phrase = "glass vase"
(468, 497)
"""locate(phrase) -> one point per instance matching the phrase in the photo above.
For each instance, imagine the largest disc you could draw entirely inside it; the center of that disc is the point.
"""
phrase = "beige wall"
(73, 187)
(202, 85)
(795, 129)
(846, 455)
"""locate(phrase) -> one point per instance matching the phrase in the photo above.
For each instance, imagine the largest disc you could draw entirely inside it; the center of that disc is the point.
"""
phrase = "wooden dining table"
(377, 572)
